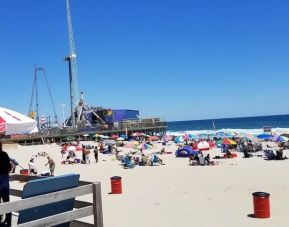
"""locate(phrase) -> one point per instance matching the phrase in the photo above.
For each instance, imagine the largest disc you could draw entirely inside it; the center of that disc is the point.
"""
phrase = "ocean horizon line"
(228, 118)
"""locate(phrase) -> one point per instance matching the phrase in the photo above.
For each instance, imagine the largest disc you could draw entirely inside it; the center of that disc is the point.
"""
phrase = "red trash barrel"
(116, 187)
(261, 204)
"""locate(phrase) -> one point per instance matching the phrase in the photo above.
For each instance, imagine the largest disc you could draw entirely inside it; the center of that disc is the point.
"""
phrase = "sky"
(173, 59)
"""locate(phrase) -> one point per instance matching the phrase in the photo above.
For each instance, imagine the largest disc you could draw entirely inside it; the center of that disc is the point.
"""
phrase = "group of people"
(130, 161)
(33, 170)
(200, 160)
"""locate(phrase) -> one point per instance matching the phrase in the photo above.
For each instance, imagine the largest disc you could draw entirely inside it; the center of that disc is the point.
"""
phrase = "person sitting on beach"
(155, 160)
(279, 154)
(202, 160)
(32, 167)
(247, 154)
(144, 160)
(208, 159)
(229, 154)
(163, 150)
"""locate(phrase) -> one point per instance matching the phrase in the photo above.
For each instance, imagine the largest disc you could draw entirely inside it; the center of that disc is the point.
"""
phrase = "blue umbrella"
(220, 134)
(179, 139)
(123, 136)
(265, 136)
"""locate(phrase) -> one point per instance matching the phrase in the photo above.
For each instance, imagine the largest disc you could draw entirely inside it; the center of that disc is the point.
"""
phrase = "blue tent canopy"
(185, 152)
(265, 137)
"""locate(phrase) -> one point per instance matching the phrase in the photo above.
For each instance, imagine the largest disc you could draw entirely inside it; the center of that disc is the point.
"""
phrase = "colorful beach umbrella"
(145, 146)
(230, 134)
(277, 138)
(190, 137)
(120, 139)
(220, 134)
(228, 142)
(114, 137)
(203, 135)
(131, 144)
(167, 138)
(154, 138)
(179, 139)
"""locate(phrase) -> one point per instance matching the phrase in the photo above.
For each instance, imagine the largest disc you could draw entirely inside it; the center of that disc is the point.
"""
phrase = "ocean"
(253, 125)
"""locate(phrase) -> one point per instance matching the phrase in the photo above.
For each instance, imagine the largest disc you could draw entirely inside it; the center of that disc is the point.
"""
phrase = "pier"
(150, 126)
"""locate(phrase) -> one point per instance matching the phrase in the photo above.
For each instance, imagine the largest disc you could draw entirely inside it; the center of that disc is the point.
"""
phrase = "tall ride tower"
(72, 65)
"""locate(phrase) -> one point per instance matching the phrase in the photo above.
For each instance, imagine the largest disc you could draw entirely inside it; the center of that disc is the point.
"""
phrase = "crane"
(72, 55)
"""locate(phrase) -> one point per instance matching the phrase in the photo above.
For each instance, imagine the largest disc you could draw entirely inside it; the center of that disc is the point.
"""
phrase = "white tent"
(12, 122)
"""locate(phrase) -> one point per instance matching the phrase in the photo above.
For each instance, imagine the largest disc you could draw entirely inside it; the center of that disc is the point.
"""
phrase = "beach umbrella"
(114, 136)
(120, 139)
(135, 134)
(202, 135)
(179, 139)
(240, 135)
(228, 142)
(167, 138)
(96, 135)
(230, 134)
(131, 144)
(145, 146)
(85, 135)
(203, 146)
(280, 138)
(12, 122)
(154, 138)
(109, 142)
(265, 136)
(192, 137)
(123, 136)
(220, 135)
(71, 148)
(189, 137)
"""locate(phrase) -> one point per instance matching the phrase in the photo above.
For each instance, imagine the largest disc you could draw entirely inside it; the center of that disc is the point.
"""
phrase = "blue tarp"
(185, 152)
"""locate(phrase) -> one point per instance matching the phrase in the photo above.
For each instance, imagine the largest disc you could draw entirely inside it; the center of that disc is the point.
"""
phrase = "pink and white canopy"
(12, 122)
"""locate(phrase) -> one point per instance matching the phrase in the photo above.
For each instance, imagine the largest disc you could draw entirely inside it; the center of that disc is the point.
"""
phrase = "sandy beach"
(177, 194)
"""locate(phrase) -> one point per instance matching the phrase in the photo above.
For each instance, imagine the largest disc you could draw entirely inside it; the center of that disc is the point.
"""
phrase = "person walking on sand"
(51, 164)
(5, 168)
(95, 151)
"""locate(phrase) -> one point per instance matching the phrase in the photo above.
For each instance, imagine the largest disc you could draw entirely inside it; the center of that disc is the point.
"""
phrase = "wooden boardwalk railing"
(84, 209)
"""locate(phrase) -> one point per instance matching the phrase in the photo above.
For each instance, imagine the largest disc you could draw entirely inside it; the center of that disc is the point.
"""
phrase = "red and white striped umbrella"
(12, 122)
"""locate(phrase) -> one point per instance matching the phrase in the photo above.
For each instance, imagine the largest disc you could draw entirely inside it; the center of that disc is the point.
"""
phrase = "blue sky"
(176, 59)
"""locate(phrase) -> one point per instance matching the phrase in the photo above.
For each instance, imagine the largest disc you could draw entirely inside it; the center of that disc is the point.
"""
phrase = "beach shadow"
(251, 216)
